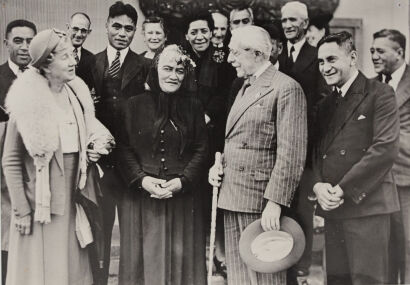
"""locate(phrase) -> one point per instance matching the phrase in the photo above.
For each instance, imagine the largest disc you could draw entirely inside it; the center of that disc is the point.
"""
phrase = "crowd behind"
(301, 132)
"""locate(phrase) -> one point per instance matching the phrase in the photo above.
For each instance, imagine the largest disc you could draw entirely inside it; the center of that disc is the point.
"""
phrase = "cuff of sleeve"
(137, 182)
(355, 194)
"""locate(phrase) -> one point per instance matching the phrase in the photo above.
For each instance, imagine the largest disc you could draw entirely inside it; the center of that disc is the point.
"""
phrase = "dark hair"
(273, 30)
(155, 20)
(393, 35)
(201, 15)
(82, 14)
(343, 39)
(242, 7)
(321, 21)
(20, 23)
(119, 9)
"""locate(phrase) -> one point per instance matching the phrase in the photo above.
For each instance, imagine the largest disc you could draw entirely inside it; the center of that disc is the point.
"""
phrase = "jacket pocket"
(261, 175)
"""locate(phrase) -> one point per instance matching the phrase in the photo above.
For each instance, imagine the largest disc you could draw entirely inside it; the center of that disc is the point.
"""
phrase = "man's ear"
(353, 57)
(280, 47)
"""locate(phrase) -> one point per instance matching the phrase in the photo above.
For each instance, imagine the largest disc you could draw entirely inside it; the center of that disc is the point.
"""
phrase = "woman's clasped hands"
(160, 188)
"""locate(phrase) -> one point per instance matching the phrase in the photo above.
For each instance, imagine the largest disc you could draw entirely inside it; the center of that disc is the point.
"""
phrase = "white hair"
(297, 8)
(253, 37)
(249, 10)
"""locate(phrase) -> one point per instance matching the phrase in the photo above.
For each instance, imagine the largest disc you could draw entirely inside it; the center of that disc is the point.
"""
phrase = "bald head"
(220, 29)
(79, 28)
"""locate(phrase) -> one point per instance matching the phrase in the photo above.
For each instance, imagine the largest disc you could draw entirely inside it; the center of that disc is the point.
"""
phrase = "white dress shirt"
(396, 76)
(348, 83)
(14, 67)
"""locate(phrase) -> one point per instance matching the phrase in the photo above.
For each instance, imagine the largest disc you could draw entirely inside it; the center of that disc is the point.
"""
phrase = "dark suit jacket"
(137, 157)
(306, 72)
(135, 71)
(359, 141)
(84, 68)
(401, 167)
(6, 78)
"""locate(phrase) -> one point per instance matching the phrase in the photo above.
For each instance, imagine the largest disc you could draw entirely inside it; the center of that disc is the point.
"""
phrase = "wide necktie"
(114, 69)
(77, 59)
(337, 93)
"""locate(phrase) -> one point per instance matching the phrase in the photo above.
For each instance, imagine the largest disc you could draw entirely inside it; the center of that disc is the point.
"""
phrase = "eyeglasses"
(77, 29)
(244, 21)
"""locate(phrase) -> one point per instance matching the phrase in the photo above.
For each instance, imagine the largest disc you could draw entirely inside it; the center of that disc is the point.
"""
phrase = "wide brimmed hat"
(43, 44)
(272, 251)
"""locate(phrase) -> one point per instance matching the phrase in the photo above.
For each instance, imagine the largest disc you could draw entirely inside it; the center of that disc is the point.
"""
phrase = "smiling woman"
(155, 36)
(45, 165)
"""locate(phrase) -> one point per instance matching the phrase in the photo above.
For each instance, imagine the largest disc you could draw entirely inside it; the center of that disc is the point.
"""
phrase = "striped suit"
(264, 155)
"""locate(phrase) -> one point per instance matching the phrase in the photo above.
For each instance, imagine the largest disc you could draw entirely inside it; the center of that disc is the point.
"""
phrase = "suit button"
(342, 152)
(162, 150)
(162, 132)
(161, 141)
(162, 159)
(165, 168)
(241, 168)
(324, 156)
(244, 144)
(114, 97)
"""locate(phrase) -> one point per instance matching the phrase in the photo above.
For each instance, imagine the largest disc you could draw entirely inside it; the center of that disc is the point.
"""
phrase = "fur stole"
(33, 107)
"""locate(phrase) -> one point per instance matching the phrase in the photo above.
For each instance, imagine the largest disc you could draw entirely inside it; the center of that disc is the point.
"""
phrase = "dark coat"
(84, 68)
(7, 77)
(359, 141)
(136, 156)
(306, 72)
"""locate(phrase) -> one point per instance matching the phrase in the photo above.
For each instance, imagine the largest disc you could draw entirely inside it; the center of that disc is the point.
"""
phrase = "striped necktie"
(114, 69)
(77, 59)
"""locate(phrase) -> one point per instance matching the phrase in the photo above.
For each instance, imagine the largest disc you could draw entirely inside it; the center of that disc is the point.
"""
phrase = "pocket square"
(361, 117)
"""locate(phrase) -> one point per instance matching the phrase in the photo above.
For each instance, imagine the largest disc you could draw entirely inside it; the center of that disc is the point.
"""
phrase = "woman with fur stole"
(45, 163)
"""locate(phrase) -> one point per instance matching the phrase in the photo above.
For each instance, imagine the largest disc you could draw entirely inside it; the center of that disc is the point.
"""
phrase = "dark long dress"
(162, 241)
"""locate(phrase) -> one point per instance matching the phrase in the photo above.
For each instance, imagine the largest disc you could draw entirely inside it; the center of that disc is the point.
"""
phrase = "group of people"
(298, 125)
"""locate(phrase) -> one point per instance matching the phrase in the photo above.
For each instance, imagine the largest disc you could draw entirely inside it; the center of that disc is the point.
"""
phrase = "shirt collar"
(14, 67)
(261, 69)
(348, 83)
(112, 52)
(396, 76)
(298, 46)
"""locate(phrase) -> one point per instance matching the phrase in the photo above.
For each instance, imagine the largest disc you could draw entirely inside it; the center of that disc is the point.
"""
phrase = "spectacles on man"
(244, 21)
(77, 29)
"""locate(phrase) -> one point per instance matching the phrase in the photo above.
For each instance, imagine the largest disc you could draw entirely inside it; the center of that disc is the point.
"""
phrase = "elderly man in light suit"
(265, 148)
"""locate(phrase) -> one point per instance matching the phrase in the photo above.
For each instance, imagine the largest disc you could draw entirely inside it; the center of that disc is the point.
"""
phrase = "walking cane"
(213, 224)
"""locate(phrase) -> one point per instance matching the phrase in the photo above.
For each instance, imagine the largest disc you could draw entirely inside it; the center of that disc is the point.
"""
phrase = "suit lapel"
(101, 61)
(353, 98)
(403, 89)
(306, 56)
(131, 66)
(259, 89)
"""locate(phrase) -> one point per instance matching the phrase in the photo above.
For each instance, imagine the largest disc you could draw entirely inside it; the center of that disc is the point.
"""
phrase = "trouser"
(4, 255)
(400, 240)
(238, 274)
(112, 187)
(357, 250)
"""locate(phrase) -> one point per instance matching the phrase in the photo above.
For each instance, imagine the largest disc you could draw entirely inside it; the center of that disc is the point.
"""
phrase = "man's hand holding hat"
(271, 217)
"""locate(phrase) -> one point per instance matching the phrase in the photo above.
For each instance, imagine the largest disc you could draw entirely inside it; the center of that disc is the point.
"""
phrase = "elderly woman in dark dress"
(162, 156)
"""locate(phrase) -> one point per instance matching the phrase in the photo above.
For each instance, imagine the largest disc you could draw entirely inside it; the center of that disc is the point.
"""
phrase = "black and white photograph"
(205, 142)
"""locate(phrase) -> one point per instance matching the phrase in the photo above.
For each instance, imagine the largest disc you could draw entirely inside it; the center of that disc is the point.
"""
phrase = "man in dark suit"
(388, 55)
(118, 74)
(78, 30)
(354, 184)
(299, 60)
(19, 34)
(265, 148)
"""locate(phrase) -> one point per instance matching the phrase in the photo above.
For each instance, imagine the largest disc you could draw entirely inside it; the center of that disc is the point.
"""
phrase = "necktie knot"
(23, 68)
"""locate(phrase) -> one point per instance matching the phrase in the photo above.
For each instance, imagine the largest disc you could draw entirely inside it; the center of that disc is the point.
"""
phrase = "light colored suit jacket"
(401, 167)
(265, 144)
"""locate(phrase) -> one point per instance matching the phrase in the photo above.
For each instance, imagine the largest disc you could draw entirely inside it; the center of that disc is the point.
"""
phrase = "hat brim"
(254, 229)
